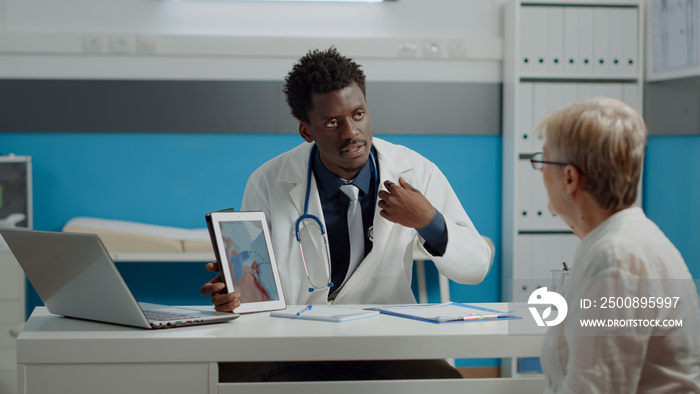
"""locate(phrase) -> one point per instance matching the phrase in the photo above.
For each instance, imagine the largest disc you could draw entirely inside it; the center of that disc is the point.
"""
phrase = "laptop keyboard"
(167, 316)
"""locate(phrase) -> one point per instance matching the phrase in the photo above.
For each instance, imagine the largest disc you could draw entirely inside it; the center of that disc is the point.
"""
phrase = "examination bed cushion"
(121, 236)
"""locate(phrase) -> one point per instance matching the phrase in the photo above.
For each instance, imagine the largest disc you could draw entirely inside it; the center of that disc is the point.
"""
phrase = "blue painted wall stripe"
(174, 179)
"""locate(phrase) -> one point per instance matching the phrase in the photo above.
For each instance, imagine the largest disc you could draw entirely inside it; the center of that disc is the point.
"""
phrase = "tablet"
(243, 249)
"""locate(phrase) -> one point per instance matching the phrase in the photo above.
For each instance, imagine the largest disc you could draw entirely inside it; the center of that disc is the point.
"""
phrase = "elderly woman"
(591, 164)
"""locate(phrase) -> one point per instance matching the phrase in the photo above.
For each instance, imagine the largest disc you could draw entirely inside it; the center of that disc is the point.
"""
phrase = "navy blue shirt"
(335, 206)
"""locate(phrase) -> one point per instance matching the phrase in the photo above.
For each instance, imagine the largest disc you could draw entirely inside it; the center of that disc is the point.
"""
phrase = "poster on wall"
(674, 29)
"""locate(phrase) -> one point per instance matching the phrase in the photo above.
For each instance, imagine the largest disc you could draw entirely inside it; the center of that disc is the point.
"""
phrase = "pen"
(306, 308)
(476, 316)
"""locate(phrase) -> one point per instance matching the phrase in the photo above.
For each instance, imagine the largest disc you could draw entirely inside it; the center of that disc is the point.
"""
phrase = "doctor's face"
(340, 124)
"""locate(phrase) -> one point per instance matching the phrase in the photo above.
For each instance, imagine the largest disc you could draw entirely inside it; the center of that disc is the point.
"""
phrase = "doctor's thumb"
(406, 185)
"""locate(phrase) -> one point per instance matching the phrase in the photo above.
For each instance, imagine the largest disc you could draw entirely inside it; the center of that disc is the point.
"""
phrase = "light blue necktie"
(355, 228)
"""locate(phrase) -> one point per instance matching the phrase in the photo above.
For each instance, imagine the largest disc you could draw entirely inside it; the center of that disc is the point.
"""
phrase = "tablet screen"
(246, 259)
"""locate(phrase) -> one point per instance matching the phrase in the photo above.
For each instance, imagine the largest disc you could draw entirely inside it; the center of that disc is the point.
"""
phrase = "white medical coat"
(278, 188)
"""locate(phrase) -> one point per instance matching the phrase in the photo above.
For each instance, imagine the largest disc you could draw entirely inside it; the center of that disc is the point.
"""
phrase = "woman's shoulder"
(637, 251)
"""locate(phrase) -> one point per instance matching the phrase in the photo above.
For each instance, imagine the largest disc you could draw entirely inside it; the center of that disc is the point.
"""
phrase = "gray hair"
(604, 139)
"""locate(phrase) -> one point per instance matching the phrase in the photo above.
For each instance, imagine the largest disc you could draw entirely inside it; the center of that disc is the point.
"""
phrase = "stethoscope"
(307, 215)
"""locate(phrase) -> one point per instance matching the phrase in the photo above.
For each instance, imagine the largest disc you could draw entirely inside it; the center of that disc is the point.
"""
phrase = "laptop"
(75, 276)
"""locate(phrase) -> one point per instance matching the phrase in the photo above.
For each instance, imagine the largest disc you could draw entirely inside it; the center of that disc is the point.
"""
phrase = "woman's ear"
(573, 180)
(305, 132)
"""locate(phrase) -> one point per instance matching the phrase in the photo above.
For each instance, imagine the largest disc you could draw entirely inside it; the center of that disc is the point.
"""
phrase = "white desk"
(62, 355)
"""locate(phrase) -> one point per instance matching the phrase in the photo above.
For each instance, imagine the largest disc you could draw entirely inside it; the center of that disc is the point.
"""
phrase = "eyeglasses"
(537, 160)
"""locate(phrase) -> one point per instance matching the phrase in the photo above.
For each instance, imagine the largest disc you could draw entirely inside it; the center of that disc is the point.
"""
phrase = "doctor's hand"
(405, 205)
(223, 302)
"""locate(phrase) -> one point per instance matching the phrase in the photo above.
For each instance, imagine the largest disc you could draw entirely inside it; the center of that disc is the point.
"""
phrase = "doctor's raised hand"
(405, 205)
(222, 301)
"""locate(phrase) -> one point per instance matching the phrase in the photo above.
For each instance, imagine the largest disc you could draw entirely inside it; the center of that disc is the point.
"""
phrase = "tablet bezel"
(214, 220)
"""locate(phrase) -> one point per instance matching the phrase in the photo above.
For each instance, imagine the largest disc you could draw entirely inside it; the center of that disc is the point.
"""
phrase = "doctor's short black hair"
(319, 72)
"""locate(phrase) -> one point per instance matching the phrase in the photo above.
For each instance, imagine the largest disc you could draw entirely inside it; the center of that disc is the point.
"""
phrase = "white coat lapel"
(295, 171)
(392, 164)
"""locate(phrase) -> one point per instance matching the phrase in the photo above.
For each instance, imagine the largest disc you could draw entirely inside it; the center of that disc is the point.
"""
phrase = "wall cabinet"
(555, 53)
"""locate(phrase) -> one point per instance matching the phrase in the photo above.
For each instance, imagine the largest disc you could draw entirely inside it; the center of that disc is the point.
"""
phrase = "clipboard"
(448, 312)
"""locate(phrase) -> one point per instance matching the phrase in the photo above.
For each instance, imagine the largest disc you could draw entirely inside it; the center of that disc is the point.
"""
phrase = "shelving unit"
(15, 210)
(555, 53)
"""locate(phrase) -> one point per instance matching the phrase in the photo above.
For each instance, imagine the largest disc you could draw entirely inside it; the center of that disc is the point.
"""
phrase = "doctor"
(326, 93)
(401, 196)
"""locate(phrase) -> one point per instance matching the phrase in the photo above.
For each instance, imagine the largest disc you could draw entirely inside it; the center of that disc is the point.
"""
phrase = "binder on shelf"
(525, 124)
(615, 42)
(523, 191)
(555, 43)
(629, 21)
(601, 37)
(449, 312)
(527, 32)
(540, 107)
(585, 91)
(585, 41)
(522, 259)
(545, 253)
(540, 40)
(614, 90)
(540, 211)
(571, 40)
(561, 94)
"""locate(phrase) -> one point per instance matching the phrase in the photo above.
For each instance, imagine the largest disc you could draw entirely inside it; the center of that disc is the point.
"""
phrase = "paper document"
(446, 312)
(324, 313)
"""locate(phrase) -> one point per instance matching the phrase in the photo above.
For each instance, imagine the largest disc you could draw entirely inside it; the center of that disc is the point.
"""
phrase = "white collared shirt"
(627, 246)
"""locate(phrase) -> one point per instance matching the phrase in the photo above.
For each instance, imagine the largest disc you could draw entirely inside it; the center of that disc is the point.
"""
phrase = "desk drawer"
(491, 386)
(116, 378)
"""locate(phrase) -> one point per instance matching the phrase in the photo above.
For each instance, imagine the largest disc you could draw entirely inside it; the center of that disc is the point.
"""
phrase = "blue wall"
(174, 179)
(671, 192)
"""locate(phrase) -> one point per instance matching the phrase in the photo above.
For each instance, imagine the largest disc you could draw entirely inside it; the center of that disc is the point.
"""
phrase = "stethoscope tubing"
(307, 215)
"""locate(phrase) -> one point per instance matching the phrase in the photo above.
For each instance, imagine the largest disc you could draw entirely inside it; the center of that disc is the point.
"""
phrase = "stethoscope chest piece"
(306, 215)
